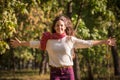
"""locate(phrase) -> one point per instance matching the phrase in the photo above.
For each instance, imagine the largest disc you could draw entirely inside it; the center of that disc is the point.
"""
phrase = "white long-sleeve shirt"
(60, 50)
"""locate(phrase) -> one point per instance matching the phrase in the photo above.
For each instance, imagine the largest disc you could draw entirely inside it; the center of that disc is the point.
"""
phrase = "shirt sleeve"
(79, 43)
(35, 44)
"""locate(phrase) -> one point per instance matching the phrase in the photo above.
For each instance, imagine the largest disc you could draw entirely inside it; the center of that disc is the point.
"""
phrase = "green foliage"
(95, 18)
(8, 24)
(23, 54)
(83, 31)
(3, 47)
(27, 19)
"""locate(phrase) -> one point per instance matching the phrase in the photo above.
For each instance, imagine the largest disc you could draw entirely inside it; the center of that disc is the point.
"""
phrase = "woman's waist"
(61, 67)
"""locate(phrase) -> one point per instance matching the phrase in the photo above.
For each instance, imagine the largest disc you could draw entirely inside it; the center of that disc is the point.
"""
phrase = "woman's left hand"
(111, 41)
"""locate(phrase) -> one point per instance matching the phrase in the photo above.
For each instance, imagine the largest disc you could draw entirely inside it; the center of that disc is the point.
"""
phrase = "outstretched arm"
(16, 43)
(89, 43)
(110, 41)
(33, 44)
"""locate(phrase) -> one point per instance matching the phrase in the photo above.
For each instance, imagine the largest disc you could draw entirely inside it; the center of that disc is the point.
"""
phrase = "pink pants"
(61, 73)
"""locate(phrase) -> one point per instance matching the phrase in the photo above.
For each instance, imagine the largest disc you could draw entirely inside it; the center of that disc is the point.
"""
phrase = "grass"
(23, 75)
(34, 75)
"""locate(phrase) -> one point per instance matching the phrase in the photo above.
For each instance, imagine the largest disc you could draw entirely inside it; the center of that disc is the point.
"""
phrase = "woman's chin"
(60, 32)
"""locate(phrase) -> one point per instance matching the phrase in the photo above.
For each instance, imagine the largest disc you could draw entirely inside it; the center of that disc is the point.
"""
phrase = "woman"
(59, 45)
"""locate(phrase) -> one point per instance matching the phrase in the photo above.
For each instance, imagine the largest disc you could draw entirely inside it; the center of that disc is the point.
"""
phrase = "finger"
(12, 40)
(17, 40)
(114, 39)
(14, 45)
(113, 44)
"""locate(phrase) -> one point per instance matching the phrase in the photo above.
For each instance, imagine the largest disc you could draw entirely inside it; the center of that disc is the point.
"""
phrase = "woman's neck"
(58, 36)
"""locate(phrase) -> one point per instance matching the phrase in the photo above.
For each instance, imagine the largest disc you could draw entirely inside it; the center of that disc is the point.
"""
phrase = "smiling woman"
(60, 27)
(60, 45)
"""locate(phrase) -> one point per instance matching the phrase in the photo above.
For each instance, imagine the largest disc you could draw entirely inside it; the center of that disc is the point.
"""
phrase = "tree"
(27, 19)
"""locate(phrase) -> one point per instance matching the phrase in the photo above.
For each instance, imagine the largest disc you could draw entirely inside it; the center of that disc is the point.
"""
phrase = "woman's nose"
(59, 26)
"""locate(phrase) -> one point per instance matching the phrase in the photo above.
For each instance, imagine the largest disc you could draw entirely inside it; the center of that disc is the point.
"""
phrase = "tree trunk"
(115, 55)
(116, 61)
(35, 60)
(69, 9)
(76, 61)
(76, 68)
(43, 63)
(90, 75)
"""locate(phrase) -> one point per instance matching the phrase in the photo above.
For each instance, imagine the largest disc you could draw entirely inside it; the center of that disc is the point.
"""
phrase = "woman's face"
(60, 27)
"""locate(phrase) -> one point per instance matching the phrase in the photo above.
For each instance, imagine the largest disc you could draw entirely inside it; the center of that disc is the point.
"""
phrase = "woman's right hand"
(15, 42)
